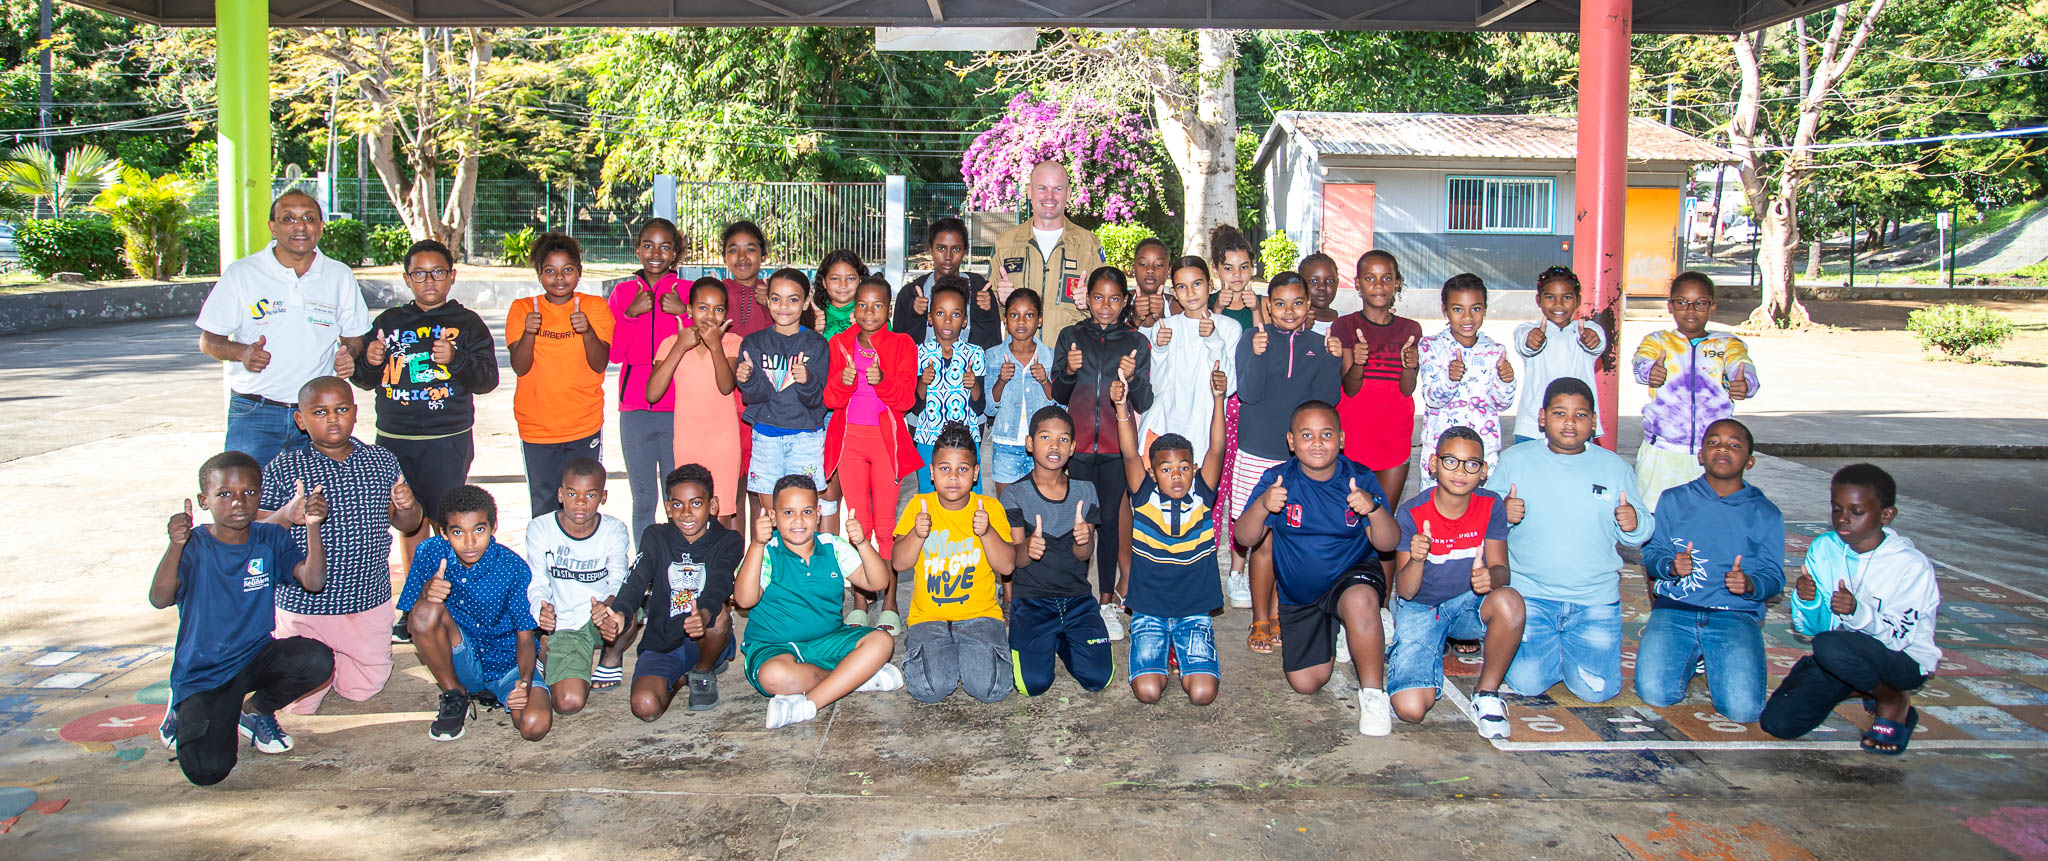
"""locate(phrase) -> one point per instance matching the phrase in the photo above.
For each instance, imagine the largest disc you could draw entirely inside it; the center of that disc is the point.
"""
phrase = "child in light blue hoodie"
(1567, 505)
(1717, 555)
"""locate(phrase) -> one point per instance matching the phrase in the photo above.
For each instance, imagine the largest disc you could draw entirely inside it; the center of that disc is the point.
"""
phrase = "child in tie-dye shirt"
(1465, 376)
(1694, 379)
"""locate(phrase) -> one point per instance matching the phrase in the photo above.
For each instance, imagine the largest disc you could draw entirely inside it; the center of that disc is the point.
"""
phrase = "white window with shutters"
(1499, 204)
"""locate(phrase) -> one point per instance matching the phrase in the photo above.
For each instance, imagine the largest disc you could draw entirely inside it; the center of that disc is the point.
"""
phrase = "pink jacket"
(634, 340)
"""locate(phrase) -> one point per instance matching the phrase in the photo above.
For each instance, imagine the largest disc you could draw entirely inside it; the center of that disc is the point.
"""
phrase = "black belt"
(263, 400)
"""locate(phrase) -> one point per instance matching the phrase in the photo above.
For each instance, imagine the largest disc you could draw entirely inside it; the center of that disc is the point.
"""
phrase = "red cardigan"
(898, 392)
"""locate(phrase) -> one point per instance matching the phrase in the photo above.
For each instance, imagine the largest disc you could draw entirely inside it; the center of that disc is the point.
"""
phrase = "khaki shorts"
(571, 653)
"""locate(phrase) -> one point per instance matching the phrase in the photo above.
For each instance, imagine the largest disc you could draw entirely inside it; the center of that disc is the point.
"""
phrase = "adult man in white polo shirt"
(279, 318)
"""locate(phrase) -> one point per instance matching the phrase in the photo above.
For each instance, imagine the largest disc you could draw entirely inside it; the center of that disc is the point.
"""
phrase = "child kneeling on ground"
(683, 577)
(466, 603)
(1054, 615)
(222, 577)
(1869, 600)
(579, 558)
(798, 651)
(1452, 576)
(952, 540)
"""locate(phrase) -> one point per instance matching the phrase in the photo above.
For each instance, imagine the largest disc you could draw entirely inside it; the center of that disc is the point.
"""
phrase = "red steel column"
(1601, 189)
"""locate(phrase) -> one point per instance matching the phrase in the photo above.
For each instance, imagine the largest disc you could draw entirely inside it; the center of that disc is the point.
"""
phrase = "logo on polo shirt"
(264, 308)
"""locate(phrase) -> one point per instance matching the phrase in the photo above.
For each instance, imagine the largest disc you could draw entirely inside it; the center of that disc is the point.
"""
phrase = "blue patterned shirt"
(947, 398)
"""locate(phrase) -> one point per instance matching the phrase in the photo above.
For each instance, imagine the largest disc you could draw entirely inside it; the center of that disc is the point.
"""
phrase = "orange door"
(1347, 227)
(1650, 241)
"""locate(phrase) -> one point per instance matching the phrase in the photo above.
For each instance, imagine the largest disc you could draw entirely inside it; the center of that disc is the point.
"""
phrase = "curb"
(1913, 450)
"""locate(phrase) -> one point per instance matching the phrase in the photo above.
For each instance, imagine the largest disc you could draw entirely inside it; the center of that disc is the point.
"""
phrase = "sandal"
(602, 677)
(1891, 732)
(1464, 647)
(857, 618)
(889, 622)
(1264, 638)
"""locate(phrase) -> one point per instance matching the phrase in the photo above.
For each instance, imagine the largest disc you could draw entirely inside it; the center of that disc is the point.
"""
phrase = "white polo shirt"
(301, 319)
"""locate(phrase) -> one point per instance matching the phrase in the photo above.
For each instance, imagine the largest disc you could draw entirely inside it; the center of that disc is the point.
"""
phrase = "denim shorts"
(1192, 639)
(791, 454)
(469, 672)
(1416, 658)
(1009, 463)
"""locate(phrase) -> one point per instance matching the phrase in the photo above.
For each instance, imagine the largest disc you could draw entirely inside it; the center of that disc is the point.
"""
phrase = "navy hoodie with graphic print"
(1719, 528)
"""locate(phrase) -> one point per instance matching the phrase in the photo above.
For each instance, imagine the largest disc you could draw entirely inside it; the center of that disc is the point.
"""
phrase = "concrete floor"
(1264, 773)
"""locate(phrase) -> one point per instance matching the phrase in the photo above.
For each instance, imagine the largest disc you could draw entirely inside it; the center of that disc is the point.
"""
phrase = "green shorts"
(824, 652)
(571, 653)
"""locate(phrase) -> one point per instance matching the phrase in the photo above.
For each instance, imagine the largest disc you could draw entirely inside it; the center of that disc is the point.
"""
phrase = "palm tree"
(31, 171)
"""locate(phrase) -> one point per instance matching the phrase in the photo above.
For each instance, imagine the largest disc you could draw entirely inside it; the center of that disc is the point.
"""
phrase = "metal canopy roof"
(1476, 136)
(1651, 16)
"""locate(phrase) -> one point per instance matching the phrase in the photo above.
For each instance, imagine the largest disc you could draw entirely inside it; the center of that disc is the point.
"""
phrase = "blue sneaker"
(167, 732)
(264, 734)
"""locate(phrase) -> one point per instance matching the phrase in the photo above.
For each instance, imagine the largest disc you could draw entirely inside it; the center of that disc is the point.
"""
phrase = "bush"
(202, 245)
(388, 243)
(1120, 243)
(89, 246)
(150, 213)
(1277, 254)
(1955, 330)
(517, 247)
(346, 240)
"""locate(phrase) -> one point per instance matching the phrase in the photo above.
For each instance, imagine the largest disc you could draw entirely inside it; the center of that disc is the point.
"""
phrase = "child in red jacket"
(873, 381)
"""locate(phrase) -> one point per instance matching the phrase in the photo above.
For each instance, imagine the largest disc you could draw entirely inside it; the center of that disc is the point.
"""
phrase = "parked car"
(8, 251)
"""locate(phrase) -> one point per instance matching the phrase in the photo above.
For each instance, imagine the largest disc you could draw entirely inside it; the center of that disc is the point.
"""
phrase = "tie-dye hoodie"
(1695, 390)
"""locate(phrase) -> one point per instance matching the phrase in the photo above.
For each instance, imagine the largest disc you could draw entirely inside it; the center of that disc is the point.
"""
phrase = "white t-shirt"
(1047, 238)
(300, 319)
(568, 572)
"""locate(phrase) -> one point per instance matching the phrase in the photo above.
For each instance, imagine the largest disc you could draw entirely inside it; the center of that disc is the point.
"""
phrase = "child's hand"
(1219, 382)
(764, 527)
(1361, 353)
(180, 527)
(671, 303)
(1681, 566)
(1589, 337)
(254, 357)
(1275, 499)
(1418, 547)
(1738, 386)
(1334, 345)
(1038, 373)
(1084, 532)
(1035, 548)
(931, 372)
(800, 373)
(1808, 590)
(438, 588)
(402, 497)
(1844, 602)
(985, 298)
(1127, 366)
(1456, 369)
(745, 371)
(1259, 341)
(967, 378)
(1009, 371)
(1165, 337)
(923, 524)
(516, 701)
(533, 322)
(1074, 359)
(1120, 391)
(846, 372)
(1514, 506)
(546, 618)
(344, 361)
(1738, 582)
(1207, 327)
(1505, 369)
(609, 622)
(980, 519)
(855, 533)
(1536, 338)
(1482, 574)
(375, 351)
(1359, 501)
(1625, 514)
(709, 332)
(875, 373)
(1658, 374)
(443, 350)
(695, 623)
(316, 507)
(579, 322)
(643, 302)
(1411, 358)
(923, 304)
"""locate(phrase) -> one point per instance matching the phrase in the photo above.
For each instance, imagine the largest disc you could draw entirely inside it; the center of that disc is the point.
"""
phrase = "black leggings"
(1106, 472)
(1843, 663)
(209, 722)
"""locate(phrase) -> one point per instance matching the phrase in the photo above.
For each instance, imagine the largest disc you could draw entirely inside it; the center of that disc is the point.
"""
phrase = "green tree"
(150, 212)
(32, 171)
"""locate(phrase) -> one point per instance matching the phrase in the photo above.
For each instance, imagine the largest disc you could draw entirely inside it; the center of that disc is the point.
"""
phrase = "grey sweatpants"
(973, 655)
(649, 440)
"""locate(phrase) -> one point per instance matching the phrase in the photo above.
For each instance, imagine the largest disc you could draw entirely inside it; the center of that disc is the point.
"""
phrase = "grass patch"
(1999, 218)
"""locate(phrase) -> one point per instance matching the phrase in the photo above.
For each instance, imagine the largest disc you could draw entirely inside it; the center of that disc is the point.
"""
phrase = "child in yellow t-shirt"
(951, 542)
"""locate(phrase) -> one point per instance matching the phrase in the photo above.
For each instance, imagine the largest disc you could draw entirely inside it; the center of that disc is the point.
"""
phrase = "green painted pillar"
(242, 45)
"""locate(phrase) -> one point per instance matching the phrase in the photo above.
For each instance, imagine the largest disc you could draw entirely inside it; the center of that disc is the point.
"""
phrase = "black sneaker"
(455, 710)
(399, 633)
(703, 691)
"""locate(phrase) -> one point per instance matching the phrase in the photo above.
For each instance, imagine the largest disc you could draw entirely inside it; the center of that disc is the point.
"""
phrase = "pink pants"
(362, 651)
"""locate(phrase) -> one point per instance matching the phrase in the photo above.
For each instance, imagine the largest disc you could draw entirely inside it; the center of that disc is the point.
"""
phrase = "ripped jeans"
(1578, 644)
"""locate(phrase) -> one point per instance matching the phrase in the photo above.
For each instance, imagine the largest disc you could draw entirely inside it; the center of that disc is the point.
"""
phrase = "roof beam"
(938, 14)
(1501, 12)
(387, 9)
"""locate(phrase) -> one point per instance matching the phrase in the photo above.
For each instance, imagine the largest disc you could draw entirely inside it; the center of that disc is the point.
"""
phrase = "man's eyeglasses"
(294, 220)
(422, 276)
(1454, 463)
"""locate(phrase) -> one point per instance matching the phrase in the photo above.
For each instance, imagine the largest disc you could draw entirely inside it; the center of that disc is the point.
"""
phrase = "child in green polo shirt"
(798, 651)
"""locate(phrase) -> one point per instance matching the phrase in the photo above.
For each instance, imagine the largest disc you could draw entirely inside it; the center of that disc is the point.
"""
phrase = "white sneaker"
(1110, 620)
(1343, 646)
(1240, 590)
(886, 679)
(1375, 712)
(786, 709)
(1493, 715)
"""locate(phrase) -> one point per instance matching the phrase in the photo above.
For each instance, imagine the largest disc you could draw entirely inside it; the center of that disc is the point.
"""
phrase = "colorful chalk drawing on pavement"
(1990, 693)
(41, 671)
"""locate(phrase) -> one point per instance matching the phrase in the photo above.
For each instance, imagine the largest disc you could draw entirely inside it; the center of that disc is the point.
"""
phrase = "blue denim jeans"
(1416, 657)
(262, 430)
(1733, 643)
(1578, 644)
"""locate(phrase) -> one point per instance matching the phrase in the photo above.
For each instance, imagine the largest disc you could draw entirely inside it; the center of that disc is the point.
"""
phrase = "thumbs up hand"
(344, 359)
(1514, 506)
(875, 372)
(1482, 574)
(846, 373)
(1456, 369)
(1808, 590)
(1625, 514)
(1207, 327)
(1038, 373)
(923, 524)
(1504, 369)
(1259, 341)
(1361, 353)
(579, 321)
(764, 526)
(1165, 337)
(1275, 499)
(1127, 366)
(1738, 384)
(745, 371)
(1589, 337)
(1074, 359)
(443, 350)
(546, 619)
(1219, 382)
(515, 702)
(533, 322)
(1084, 532)
(1537, 336)
(1359, 501)
(438, 588)
(980, 519)
(1738, 582)
(1009, 371)
(402, 497)
(1411, 358)
(1681, 565)
(1844, 602)
(1658, 374)
(1333, 345)
(1418, 547)
(316, 507)
(180, 526)
(800, 370)
(1035, 547)
(609, 622)
(855, 533)
(375, 351)
(643, 300)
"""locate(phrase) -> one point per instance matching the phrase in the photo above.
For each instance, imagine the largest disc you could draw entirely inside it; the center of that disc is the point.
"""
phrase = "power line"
(1961, 136)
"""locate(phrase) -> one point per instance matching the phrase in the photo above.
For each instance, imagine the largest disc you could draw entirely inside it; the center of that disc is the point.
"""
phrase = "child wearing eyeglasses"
(1695, 378)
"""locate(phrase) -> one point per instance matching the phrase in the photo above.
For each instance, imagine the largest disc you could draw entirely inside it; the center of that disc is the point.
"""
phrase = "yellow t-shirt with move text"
(951, 581)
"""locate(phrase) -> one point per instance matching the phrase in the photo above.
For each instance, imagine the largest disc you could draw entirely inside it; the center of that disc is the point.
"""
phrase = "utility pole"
(43, 108)
(333, 143)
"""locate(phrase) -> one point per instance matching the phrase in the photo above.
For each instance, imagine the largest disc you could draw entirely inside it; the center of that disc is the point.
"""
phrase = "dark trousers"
(209, 722)
(1068, 630)
(544, 464)
(1106, 472)
(1843, 663)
